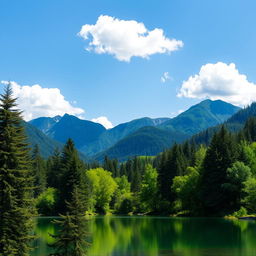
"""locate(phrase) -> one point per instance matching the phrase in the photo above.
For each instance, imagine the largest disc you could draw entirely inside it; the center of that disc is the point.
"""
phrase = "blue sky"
(39, 44)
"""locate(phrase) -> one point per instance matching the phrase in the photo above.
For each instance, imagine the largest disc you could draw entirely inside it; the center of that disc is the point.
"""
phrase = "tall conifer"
(39, 169)
(221, 154)
(16, 207)
(71, 240)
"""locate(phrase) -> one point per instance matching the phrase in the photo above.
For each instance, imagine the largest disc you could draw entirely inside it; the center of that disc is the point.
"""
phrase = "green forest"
(214, 177)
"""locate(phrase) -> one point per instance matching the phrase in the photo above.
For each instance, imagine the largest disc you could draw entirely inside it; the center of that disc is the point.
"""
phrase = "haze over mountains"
(144, 136)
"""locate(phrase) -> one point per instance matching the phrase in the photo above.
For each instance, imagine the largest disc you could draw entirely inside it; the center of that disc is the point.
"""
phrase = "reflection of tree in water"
(147, 236)
(43, 230)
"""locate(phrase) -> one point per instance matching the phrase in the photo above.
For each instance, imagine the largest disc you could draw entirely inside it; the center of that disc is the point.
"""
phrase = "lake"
(160, 236)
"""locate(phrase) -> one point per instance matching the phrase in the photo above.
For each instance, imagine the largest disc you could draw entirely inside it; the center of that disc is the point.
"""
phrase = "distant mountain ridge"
(197, 118)
(45, 123)
(144, 136)
(234, 124)
(36, 137)
(112, 136)
(201, 116)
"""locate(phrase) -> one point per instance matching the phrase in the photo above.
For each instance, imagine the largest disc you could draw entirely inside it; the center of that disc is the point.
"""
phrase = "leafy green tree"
(185, 188)
(248, 155)
(46, 202)
(103, 186)
(16, 182)
(148, 193)
(237, 175)
(72, 237)
(122, 192)
(250, 195)
(39, 169)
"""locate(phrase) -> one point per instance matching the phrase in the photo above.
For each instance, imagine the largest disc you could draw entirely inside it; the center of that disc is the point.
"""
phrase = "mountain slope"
(201, 116)
(112, 136)
(81, 131)
(145, 141)
(195, 119)
(45, 123)
(235, 123)
(46, 144)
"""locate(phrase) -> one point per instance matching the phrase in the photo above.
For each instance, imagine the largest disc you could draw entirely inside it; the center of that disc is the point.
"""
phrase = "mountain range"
(144, 136)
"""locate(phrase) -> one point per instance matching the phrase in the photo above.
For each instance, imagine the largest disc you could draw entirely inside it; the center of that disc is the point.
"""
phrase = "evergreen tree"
(164, 178)
(71, 175)
(249, 130)
(71, 239)
(39, 170)
(16, 183)
(136, 179)
(173, 164)
(54, 170)
(220, 155)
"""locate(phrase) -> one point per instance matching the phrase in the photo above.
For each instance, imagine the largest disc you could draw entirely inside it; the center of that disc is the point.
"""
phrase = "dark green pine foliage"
(16, 182)
(137, 175)
(71, 239)
(221, 154)
(173, 163)
(71, 175)
(111, 165)
(249, 130)
(39, 170)
(54, 170)
(164, 178)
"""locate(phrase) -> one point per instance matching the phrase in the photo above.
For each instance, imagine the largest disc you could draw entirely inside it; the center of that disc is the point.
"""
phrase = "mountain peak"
(201, 116)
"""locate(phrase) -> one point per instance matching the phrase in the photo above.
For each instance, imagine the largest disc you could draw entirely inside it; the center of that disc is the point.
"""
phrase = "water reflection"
(150, 236)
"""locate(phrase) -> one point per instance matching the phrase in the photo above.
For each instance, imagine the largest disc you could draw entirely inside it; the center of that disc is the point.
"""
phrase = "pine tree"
(54, 170)
(71, 240)
(39, 170)
(173, 163)
(249, 130)
(220, 155)
(71, 175)
(164, 178)
(16, 183)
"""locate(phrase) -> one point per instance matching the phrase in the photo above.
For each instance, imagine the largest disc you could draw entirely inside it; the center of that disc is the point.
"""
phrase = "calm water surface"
(157, 236)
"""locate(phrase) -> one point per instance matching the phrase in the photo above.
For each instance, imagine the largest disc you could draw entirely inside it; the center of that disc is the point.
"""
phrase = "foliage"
(39, 169)
(16, 181)
(250, 198)
(102, 186)
(240, 213)
(71, 175)
(71, 239)
(220, 155)
(46, 202)
(148, 193)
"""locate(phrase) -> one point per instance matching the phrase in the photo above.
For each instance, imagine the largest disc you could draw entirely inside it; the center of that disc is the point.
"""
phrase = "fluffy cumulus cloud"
(165, 77)
(219, 81)
(36, 101)
(126, 38)
(104, 121)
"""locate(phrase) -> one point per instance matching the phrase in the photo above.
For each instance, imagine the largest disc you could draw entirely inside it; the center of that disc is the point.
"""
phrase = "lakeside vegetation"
(188, 179)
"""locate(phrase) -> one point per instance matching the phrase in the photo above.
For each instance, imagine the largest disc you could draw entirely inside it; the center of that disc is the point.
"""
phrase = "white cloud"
(219, 81)
(36, 101)
(104, 121)
(165, 77)
(126, 38)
